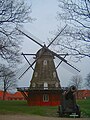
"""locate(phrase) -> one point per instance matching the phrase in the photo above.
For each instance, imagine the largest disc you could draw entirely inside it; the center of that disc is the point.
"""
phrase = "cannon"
(68, 105)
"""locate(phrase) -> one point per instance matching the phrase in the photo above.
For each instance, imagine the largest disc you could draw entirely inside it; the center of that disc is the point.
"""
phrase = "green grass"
(85, 107)
(21, 107)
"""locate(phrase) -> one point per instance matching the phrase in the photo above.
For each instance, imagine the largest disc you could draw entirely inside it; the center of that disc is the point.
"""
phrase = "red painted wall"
(36, 99)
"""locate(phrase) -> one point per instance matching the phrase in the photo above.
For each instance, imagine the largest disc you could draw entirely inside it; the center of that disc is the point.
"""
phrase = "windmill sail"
(46, 49)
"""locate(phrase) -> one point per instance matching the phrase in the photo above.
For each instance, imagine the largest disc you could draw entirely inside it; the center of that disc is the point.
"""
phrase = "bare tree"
(12, 14)
(77, 81)
(75, 39)
(88, 81)
(7, 79)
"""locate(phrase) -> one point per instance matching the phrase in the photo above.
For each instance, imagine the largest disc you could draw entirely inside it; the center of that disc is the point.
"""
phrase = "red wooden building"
(83, 94)
(9, 96)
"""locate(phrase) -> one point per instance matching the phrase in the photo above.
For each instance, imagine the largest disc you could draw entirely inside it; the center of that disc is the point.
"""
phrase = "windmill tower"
(45, 88)
(45, 75)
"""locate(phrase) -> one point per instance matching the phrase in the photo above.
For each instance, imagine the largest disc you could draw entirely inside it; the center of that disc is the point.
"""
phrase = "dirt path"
(30, 117)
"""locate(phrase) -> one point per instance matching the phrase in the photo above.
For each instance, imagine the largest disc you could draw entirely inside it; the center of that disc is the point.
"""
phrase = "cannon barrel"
(69, 93)
(72, 89)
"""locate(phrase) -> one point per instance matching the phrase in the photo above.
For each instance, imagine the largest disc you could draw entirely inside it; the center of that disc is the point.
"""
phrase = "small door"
(45, 98)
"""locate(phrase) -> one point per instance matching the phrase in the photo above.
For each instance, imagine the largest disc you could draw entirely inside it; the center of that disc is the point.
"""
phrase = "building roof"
(10, 95)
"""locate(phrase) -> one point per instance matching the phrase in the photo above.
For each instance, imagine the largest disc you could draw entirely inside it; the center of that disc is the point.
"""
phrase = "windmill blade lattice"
(31, 38)
(56, 36)
(63, 60)
(27, 60)
(60, 62)
(45, 49)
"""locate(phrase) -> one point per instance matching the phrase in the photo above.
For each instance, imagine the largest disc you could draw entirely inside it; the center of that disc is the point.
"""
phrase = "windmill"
(45, 88)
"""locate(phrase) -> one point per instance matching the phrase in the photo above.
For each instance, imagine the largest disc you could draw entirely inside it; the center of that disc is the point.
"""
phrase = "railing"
(41, 88)
(23, 89)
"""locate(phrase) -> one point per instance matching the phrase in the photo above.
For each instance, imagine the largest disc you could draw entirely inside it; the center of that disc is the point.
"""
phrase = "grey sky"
(45, 12)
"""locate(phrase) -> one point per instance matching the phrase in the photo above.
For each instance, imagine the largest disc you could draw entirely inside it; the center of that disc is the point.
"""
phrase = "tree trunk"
(4, 94)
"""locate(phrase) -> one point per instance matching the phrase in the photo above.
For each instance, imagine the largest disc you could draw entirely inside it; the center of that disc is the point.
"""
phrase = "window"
(36, 74)
(45, 62)
(45, 97)
(56, 84)
(45, 85)
(33, 84)
(54, 74)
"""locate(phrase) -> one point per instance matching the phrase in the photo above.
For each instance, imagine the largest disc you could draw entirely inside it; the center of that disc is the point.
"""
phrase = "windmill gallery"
(45, 88)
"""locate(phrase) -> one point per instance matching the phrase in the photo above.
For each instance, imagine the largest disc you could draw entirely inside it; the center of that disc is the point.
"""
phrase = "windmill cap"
(44, 52)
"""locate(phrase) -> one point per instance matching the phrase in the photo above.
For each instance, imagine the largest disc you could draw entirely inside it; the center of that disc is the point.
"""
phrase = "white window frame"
(45, 62)
(45, 98)
(33, 85)
(54, 74)
(45, 85)
(56, 84)
(36, 74)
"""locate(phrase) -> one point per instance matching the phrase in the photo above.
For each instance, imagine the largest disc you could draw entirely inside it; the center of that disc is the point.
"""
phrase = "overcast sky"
(45, 12)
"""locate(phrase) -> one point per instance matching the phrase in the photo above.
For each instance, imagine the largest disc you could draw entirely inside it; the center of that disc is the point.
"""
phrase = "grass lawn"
(85, 107)
(21, 107)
